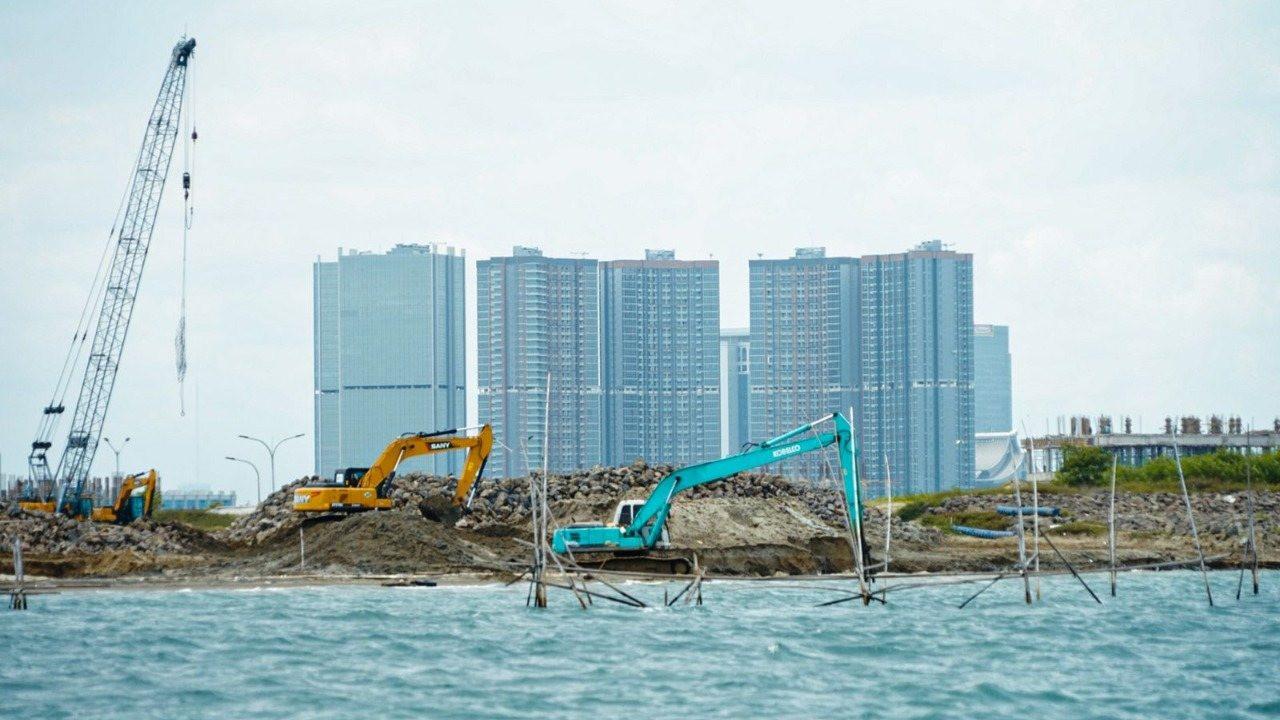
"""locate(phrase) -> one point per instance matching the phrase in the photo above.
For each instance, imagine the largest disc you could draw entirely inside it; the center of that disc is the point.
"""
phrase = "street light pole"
(271, 452)
(116, 450)
(256, 475)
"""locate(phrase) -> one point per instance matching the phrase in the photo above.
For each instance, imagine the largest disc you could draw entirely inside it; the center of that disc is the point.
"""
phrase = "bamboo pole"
(540, 523)
(1248, 483)
(1111, 525)
(1022, 541)
(1195, 535)
(1073, 570)
(888, 514)
(18, 598)
(1035, 503)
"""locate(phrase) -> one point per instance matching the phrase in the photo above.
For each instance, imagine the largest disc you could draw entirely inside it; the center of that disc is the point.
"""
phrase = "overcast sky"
(1113, 168)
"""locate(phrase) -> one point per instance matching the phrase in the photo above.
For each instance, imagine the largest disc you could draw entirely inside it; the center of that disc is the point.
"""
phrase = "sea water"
(753, 649)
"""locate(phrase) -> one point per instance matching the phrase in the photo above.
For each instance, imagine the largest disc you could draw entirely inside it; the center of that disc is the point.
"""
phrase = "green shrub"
(985, 519)
(1084, 465)
(199, 519)
(1080, 528)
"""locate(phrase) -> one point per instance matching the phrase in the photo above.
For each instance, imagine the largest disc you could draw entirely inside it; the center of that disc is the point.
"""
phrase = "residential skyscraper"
(804, 347)
(735, 389)
(992, 379)
(539, 315)
(917, 369)
(661, 357)
(390, 339)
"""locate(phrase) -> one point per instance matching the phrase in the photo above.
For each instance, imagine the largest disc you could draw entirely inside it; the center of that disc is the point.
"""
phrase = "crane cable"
(93, 300)
(188, 213)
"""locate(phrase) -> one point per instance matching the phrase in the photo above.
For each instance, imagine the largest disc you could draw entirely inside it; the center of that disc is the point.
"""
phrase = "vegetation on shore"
(199, 519)
(1089, 467)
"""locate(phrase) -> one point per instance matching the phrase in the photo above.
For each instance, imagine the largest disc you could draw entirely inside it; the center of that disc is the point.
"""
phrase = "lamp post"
(116, 450)
(256, 475)
(271, 451)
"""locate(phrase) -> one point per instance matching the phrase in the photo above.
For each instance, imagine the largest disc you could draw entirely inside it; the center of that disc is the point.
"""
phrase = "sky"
(1113, 168)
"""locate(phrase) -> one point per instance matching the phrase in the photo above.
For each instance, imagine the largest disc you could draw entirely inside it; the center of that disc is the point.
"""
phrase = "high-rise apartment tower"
(538, 316)
(390, 339)
(916, 401)
(804, 347)
(661, 359)
(992, 379)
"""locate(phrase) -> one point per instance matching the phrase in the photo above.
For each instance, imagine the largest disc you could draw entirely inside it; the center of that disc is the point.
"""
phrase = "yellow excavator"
(357, 489)
(135, 500)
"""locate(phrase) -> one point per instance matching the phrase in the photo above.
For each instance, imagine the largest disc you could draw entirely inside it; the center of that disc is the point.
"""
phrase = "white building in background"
(998, 459)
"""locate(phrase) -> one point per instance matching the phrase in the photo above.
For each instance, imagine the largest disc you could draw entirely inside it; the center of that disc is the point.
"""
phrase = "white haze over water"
(1113, 169)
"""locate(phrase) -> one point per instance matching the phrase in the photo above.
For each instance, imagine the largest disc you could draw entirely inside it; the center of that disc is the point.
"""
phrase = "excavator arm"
(646, 526)
(125, 510)
(366, 488)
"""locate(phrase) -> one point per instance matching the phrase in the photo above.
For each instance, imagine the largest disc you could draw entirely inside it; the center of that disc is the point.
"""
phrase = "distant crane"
(119, 292)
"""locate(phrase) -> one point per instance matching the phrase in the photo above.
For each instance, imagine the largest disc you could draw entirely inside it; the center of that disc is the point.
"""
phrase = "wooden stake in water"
(1022, 541)
(1111, 525)
(1035, 529)
(1248, 484)
(1195, 536)
(18, 599)
(888, 517)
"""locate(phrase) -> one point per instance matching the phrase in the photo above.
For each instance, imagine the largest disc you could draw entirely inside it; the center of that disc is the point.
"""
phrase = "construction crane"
(132, 238)
(636, 531)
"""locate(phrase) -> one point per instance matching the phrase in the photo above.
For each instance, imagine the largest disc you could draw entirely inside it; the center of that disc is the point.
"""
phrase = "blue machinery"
(646, 526)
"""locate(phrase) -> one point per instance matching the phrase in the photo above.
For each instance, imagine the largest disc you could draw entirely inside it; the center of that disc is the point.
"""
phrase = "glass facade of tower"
(735, 385)
(390, 339)
(804, 348)
(661, 350)
(992, 379)
(539, 315)
(917, 408)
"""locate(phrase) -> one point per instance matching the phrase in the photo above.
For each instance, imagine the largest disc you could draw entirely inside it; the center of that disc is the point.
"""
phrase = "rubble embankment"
(752, 524)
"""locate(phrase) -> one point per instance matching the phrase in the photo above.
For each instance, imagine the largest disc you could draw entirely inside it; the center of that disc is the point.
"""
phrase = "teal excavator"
(645, 531)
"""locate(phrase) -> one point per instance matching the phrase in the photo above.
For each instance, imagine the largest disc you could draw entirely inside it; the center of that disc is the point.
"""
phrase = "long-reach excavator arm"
(646, 526)
(369, 488)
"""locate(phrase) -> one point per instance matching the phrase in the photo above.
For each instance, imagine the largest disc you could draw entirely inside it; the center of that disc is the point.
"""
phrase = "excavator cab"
(351, 477)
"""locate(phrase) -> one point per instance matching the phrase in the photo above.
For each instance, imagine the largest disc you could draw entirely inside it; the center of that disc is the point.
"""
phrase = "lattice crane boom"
(121, 289)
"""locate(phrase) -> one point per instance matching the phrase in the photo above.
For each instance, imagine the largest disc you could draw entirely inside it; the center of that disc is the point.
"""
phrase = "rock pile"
(501, 507)
(49, 533)
(273, 516)
(1220, 516)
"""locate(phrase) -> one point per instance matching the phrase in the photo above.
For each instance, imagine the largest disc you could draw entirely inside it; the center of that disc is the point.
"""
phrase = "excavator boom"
(135, 500)
(359, 489)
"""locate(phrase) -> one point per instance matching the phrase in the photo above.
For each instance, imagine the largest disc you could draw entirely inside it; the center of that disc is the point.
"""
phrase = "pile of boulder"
(1219, 515)
(272, 517)
(42, 532)
(499, 506)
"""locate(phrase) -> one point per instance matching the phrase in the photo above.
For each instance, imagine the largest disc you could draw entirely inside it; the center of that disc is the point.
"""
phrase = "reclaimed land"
(755, 524)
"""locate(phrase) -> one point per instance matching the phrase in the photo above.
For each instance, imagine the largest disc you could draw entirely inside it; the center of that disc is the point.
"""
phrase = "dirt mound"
(379, 543)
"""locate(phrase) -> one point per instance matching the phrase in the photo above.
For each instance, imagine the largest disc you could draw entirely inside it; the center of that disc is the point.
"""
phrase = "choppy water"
(753, 650)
